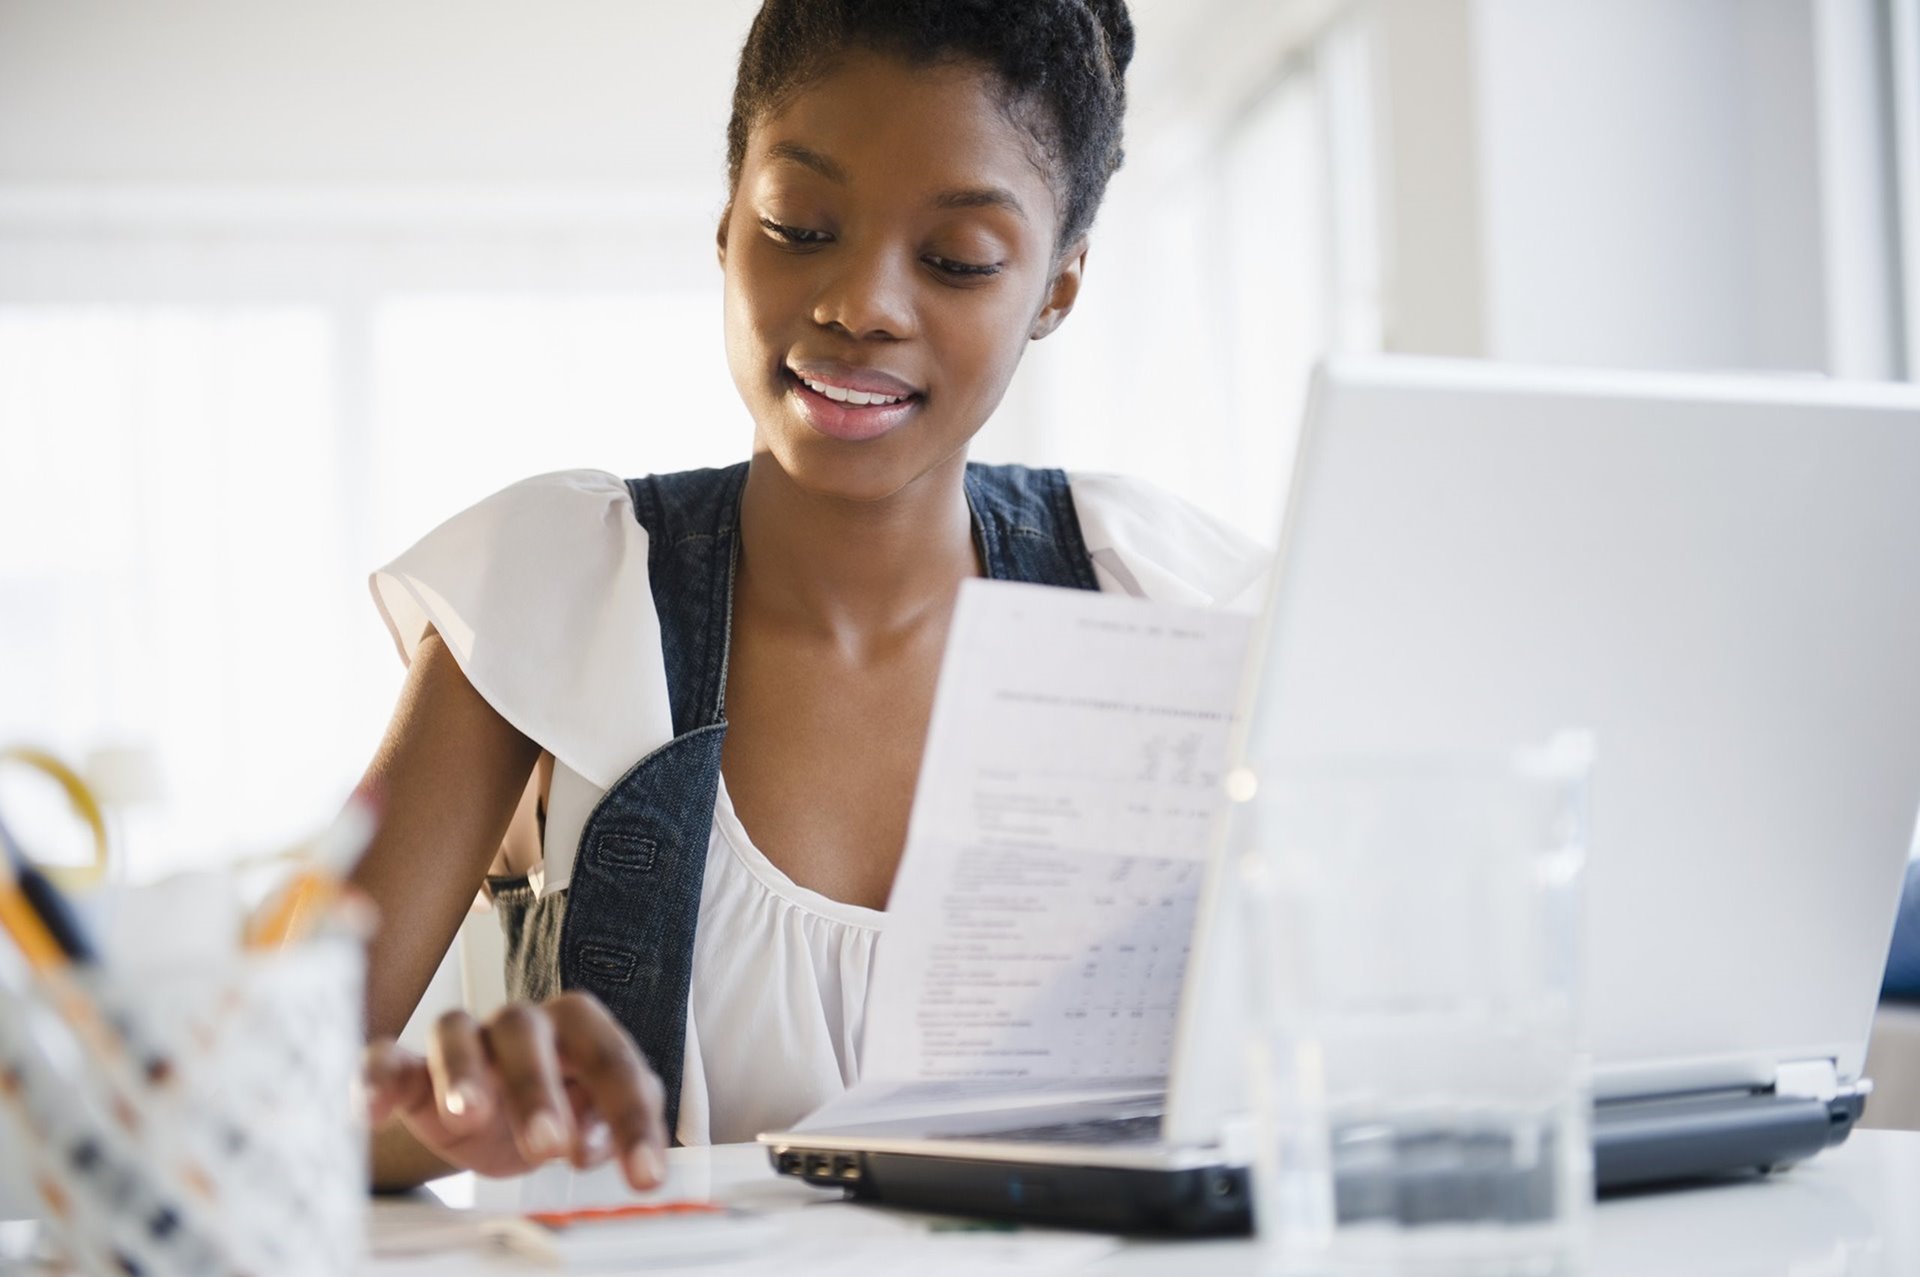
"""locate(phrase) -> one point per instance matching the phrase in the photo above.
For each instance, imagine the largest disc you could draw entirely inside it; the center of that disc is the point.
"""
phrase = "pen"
(43, 927)
(24, 926)
(61, 923)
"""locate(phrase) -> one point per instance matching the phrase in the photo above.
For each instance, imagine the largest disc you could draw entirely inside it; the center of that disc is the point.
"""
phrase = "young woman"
(680, 718)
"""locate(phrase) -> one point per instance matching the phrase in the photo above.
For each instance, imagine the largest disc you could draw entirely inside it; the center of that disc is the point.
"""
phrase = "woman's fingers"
(593, 1140)
(521, 1042)
(600, 1057)
(533, 1083)
(462, 1082)
(396, 1081)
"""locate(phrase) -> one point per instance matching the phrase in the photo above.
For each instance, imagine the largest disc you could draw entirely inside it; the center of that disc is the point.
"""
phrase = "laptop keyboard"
(1139, 1128)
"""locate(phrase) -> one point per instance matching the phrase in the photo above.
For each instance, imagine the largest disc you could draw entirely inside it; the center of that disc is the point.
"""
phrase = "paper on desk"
(426, 1238)
(1039, 924)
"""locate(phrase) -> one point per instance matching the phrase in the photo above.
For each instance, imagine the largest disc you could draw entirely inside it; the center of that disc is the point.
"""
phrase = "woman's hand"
(534, 1083)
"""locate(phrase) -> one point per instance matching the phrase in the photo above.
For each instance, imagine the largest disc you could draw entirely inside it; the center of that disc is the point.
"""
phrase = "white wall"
(1644, 182)
(1434, 238)
(476, 92)
(1639, 183)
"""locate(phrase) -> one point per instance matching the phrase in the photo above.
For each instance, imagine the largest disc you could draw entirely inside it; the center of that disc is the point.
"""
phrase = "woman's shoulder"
(563, 505)
(571, 504)
(552, 534)
(1148, 542)
(541, 593)
(562, 500)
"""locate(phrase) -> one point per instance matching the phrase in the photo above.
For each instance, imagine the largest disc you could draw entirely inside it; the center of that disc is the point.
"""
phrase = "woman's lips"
(839, 376)
(850, 422)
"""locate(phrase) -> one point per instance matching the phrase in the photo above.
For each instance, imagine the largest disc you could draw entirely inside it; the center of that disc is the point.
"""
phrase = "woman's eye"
(793, 234)
(967, 270)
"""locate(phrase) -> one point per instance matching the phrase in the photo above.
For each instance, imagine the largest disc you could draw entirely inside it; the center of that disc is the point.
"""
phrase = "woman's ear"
(720, 236)
(1061, 291)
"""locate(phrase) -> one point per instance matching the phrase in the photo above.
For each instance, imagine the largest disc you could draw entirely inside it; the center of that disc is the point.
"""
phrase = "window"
(219, 412)
(194, 489)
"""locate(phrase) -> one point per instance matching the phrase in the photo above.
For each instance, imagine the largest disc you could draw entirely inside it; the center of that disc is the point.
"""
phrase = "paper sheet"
(1039, 925)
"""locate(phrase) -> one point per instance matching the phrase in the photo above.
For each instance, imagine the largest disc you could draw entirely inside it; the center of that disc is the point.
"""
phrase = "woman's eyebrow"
(794, 153)
(960, 197)
(981, 197)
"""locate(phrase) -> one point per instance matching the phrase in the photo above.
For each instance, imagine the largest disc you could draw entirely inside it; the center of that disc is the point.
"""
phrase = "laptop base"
(1637, 1144)
(1195, 1202)
(1667, 1140)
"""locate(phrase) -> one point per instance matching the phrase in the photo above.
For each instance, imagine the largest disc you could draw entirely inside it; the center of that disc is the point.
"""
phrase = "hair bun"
(1117, 26)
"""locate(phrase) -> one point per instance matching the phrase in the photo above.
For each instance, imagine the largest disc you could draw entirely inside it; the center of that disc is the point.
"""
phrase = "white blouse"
(540, 593)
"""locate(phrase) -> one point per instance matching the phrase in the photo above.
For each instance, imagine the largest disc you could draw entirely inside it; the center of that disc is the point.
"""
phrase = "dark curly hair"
(1062, 64)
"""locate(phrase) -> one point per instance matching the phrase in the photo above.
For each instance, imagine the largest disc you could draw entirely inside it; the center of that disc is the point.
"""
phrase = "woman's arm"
(532, 1082)
(450, 773)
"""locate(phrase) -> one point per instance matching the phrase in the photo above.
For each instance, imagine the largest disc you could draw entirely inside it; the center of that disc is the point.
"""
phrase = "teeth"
(858, 398)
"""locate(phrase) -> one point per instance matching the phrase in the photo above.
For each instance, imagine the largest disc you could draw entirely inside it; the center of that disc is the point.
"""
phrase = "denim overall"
(623, 929)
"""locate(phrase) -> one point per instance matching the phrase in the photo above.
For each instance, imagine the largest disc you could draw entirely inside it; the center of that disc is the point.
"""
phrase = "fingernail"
(465, 1100)
(647, 1164)
(596, 1142)
(544, 1137)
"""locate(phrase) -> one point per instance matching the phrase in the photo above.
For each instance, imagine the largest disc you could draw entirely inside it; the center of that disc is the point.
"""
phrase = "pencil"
(291, 912)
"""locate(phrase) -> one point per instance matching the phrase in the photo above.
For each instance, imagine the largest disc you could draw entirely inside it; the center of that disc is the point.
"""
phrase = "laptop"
(1720, 578)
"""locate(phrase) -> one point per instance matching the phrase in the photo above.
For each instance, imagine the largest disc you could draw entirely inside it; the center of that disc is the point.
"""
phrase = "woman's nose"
(867, 295)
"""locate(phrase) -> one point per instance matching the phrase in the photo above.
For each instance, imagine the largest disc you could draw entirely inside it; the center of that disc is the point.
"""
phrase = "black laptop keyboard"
(1141, 1128)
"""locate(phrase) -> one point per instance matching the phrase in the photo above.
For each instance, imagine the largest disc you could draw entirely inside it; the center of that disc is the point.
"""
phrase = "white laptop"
(1720, 577)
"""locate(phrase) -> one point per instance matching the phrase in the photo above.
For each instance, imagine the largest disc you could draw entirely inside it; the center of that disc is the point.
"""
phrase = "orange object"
(290, 913)
(639, 1210)
(23, 924)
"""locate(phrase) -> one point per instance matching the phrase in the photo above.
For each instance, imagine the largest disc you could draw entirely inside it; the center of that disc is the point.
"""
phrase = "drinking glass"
(1419, 1078)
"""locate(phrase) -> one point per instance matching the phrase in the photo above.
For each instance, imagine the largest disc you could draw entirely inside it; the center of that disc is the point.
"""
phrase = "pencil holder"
(195, 1119)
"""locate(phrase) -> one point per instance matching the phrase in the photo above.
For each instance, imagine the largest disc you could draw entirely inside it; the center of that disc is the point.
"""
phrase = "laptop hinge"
(1809, 1079)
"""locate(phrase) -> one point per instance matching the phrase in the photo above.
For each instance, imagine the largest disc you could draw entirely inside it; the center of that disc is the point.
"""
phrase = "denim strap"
(624, 928)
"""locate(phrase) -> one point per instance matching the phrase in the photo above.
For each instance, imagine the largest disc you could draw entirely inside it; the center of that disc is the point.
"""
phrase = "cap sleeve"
(1146, 542)
(541, 594)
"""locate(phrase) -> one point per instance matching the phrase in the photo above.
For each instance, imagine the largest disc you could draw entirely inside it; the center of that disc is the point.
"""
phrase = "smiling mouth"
(847, 397)
(849, 414)
(855, 398)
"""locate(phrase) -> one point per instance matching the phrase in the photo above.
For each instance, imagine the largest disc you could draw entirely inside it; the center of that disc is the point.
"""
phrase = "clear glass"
(1420, 1081)
(198, 1118)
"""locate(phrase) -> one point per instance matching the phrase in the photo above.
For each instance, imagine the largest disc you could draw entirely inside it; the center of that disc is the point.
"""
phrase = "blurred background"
(283, 285)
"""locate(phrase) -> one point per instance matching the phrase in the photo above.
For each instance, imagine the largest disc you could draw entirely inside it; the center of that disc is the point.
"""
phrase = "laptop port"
(847, 1169)
(789, 1163)
(817, 1166)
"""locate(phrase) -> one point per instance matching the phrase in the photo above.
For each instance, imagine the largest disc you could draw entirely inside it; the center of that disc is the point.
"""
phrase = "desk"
(1854, 1210)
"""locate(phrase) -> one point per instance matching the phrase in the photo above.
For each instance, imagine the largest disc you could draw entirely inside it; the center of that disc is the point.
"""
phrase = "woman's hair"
(1062, 63)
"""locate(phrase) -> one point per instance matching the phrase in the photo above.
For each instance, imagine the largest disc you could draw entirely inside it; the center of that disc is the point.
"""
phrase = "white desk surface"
(1853, 1210)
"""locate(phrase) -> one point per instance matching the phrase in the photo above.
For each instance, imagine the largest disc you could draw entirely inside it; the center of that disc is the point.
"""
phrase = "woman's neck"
(850, 572)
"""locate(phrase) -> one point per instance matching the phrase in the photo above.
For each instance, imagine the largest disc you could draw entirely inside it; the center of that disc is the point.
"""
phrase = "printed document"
(1039, 925)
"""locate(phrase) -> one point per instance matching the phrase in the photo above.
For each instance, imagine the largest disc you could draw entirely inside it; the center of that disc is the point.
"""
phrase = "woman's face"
(891, 241)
